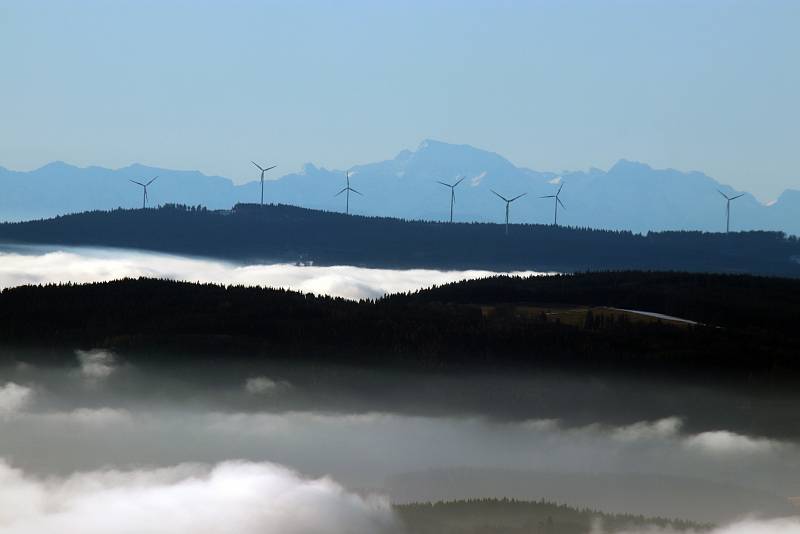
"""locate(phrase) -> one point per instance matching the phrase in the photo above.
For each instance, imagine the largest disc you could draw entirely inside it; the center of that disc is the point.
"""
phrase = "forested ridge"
(510, 516)
(289, 233)
(747, 328)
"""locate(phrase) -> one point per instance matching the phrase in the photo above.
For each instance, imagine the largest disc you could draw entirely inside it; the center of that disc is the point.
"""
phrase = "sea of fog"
(23, 264)
(103, 437)
(104, 444)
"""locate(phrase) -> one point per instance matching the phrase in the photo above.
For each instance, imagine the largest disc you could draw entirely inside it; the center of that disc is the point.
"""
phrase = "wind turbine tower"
(452, 194)
(728, 209)
(508, 202)
(263, 171)
(347, 191)
(557, 201)
(144, 187)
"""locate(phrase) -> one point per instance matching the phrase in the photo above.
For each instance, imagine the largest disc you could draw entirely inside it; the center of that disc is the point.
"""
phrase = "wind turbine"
(263, 170)
(556, 202)
(452, 194)
(508, 202)
(144, 187)
(347, 190)
(728, 209)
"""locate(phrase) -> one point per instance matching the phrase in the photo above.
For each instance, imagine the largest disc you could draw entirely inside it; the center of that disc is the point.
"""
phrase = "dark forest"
(252, 233)
(563, 321)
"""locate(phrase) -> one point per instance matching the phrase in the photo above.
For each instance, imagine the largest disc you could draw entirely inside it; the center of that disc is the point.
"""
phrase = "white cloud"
(661, 429)
(667, 431)
(96, 364)
(13, 398)
(787, 525)
(555, 181)
(724, 442)
(79, 265)
(241, 497)
(261, 385)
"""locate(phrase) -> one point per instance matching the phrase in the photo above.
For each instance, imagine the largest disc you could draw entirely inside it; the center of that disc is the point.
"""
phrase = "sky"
(709, 86)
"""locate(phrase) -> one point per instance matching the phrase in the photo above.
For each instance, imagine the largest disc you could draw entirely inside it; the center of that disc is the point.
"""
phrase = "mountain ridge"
(630, 195)
(276, 233)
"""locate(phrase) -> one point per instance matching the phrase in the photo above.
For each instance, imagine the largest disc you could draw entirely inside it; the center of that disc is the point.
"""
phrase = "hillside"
(628, 196)
(252, 233)
(746, 326)
(508, 516)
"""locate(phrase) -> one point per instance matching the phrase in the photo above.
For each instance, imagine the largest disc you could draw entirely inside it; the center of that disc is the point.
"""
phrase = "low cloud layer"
(13, 397)
(262, 385)
(788, 525)
(82, 417)
(241, 497)
(362, 450)
(38, 265)
(96, 364)
(56, 421)
(715, 442)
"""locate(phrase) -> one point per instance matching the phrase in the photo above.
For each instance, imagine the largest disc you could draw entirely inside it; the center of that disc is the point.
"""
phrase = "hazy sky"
(709, 86)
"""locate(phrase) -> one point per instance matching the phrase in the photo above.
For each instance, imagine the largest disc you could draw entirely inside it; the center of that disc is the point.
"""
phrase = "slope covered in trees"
(746, 324)
(509, 516)
(288, 233)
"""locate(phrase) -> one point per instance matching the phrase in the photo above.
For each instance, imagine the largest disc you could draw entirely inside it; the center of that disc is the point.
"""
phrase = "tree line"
(512, 516)
(289, 233)
(746, 331)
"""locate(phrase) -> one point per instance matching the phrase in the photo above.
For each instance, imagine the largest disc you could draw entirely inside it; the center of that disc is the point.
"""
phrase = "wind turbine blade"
(257, 165)
(354, 191)
(498, 194)
(723, 194)
(459, 181)
(560, 188)
(562, 204)
(444, 184)
(151, 181)
(134, 181)
(737, 196)
(340, 192)
(270, 168)
(548, 196)
(518, 196)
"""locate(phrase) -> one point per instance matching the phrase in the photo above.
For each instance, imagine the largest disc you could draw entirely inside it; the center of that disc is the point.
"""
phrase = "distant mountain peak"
(425, 144)
(433, 145)
(404, 155)
(626, 165)
(789, 195)
(456, 156)
(631, 195)
(309, 168)
(57, 165)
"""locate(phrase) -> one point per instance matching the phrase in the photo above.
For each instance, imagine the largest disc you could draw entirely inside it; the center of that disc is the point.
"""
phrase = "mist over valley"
(399, 267)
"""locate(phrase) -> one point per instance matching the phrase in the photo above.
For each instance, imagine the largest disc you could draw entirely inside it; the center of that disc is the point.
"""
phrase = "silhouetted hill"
(287, 233)
(628, 196)
(510, 516)
(747, 325)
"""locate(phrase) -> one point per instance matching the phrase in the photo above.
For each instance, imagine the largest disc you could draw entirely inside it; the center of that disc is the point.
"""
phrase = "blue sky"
(695, 85)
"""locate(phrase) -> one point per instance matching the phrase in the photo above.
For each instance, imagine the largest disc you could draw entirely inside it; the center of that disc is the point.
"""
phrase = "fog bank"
(21, 265)
(241, 497)
(102, 412)
(787, 525)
